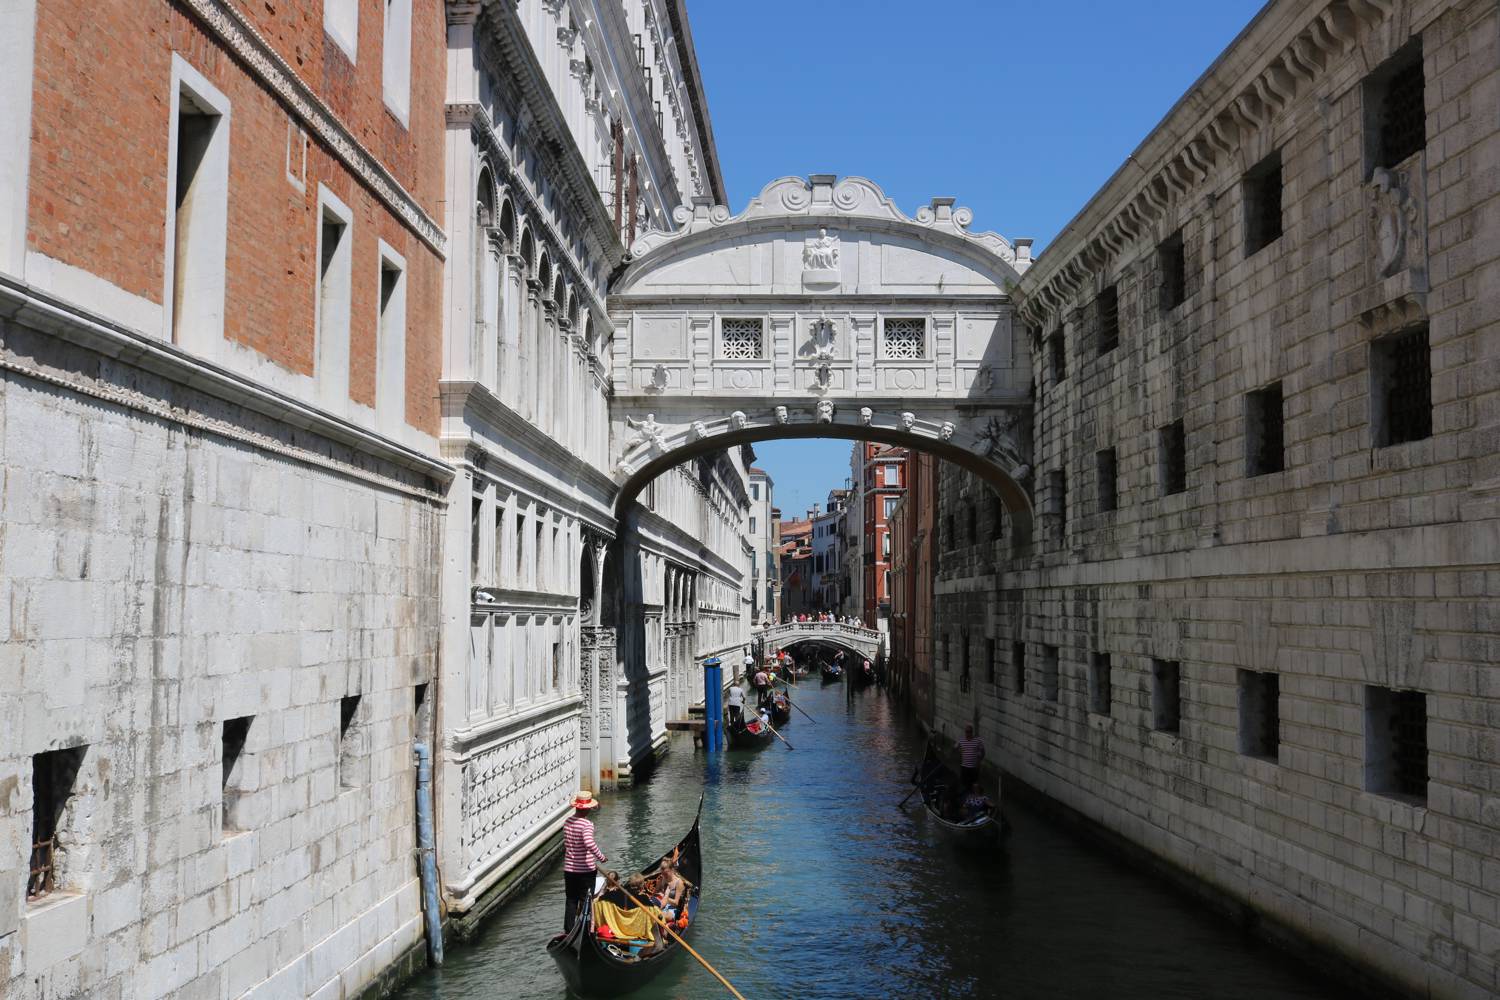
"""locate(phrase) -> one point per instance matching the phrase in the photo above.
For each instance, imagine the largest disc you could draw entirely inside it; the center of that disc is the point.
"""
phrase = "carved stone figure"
(658, 379)
(647, 432)
(984, 379)
(823, 378)
(823, 336)
(781, 414)
(1393, 216)
(866, 415)
(737, 419)
(1002, 437)
(908, 420)
(946, 431)
(821, 253)
(825, 411)
(699, 430)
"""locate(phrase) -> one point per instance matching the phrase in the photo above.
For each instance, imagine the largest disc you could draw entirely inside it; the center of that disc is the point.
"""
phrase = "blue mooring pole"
(713, 703)
(426, 849)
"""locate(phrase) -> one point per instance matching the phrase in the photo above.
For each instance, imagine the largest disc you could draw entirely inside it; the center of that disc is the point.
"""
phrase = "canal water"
(817, 886)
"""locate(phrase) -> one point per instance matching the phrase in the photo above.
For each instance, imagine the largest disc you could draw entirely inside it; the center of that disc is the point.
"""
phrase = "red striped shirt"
(970, 751)
(579, 850)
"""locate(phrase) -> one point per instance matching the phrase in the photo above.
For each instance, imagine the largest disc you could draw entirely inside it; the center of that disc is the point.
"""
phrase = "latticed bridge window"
(906, 339)
(741, 339)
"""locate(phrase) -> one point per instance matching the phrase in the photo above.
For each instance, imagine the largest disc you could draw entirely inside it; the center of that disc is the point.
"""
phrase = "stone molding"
(263, 62)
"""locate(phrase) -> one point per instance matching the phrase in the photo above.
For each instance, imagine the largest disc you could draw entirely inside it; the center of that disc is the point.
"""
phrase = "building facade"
(1253, 633)
(882, 471)
(765, 559)
(795, 556)
(827, 536)
(913, 528)
(220, 313)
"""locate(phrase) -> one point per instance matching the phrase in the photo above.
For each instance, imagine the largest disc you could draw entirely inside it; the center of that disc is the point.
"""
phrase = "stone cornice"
(687, 56)
(257, 55)
(1285, 49)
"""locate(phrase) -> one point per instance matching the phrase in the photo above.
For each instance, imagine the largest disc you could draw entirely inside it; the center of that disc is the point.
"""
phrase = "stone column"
(531, 324)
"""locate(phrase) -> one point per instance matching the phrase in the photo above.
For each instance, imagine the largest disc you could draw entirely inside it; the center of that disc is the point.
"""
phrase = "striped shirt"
(579, 849)
(970, 751)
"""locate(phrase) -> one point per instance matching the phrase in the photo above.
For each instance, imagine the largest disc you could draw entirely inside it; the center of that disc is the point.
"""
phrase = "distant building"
(913, 525)
(881, 472)
(795, 552)
(765, 573)
(830, 577)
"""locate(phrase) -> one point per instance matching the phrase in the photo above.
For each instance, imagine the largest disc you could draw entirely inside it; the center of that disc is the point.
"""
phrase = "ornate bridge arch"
(822, 310)
(864, 641)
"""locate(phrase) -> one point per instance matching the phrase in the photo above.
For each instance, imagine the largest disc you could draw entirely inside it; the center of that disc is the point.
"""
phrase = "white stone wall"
(171, 562)
(1358, 567)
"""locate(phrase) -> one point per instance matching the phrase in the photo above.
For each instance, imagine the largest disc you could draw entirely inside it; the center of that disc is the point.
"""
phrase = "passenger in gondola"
(673, 889)
(613, 893)
(976, 803)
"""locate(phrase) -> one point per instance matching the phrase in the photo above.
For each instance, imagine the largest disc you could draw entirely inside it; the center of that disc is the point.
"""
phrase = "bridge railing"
(856, 633)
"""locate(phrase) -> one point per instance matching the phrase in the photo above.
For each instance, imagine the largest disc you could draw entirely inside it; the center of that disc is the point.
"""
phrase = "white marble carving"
(908, 420)
(825, 411)
(737, 420)
(781, 415)
(866, 415)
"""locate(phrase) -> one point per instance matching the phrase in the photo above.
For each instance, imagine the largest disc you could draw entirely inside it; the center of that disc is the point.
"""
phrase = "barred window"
(53, 775)
(1401, 387)
(1108, 306)
(1173, 258)
(740, 339)
(906, 339)
(1396, 108)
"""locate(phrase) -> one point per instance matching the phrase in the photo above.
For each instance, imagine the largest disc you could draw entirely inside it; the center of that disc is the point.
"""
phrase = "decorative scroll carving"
(1394, 219)
(823, 336)
(511, 788)
(660, 379)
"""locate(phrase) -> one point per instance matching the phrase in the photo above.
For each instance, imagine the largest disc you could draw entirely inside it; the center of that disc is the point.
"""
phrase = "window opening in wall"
(989, 660)
(1264, 431)
(741, 339)
(1396, 743)
(950, 533)
(971, 523)
(905, 339)
(997, 517)
(1049, 673)
(53, 776)
(963, 677)
(199, 211)
(893, 475)
(341, 22)
(390, 349)
(1018, 667)
(1173, 451)
(1057, 358)
(1057, 490)
(232, 736)
(348, 740)
(476, 510)
(1171, 255)
(396, 58)
(1260, 713)
(1262, 192)
(557, 664)
(1106, 471)
(1401, 387)
(1166, 695)
(334, 256)
(1395, 98)
(421, 713)
(1099, 684)
(1107, 306)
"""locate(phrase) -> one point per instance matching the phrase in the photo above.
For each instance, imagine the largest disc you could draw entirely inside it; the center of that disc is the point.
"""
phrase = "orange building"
(913, 527)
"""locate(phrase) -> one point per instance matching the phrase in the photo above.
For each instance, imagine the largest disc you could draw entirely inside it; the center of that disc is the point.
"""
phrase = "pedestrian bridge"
(864, 641)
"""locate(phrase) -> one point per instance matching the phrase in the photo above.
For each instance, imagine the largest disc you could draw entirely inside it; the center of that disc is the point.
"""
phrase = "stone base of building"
(465, 926)
(407, 964)
(626, 775)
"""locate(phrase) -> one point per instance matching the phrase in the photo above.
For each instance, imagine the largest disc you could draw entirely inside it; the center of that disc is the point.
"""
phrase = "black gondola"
(781, 709)
(750, 734)
(937, 782)
(832, 672)
(596, 967)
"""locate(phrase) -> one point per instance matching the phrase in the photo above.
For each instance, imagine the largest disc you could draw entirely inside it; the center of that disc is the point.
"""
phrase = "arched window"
(544, 273)
(508, 226)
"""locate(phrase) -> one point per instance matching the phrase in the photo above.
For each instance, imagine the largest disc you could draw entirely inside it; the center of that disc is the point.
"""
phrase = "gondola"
(832, 673)
(781, 709)
(751, 734)
(862, 675)
(596, 967)
(934, 779)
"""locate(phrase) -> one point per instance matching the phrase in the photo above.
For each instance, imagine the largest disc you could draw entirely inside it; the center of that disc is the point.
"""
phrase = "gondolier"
(581, 856)
(970, 756)
(735, 700)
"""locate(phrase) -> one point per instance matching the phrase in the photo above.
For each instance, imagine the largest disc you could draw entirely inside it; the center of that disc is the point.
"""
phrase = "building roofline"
(687, 55)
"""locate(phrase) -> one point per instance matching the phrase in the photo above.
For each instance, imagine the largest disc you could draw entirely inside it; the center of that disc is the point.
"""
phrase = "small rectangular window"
(1107, 473)
(1166, 695)
(421, 713)
(1049, 673)
(1018, 667)
(1262, 195)
(476, 510)
(1171, 256)
(341, 23)
(905, 339)
(1172, 450)
(1057, 358)
(989, 660)
(395, 70)
(1057, 500)
(753, 529)
(335, 259)
(390, 347)
(53, 776)
(893, 475)
(1260, 713)
(1396, 743)
(199, 212)
(232, 737)
(1401, 387)
(741, 339)
(1264, 431)
(997, 517)
(349, 741)
(1107, 309)
(1395, 99)
(971, 523)
(1099, 684)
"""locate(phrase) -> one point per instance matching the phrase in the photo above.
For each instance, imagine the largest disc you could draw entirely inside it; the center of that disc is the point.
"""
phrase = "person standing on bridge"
(970, 756)
(581, 857)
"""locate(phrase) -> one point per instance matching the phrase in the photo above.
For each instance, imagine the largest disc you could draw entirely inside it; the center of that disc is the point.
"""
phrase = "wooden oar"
(678, 938)
(919, 783)
(767, 723)
(798, 707)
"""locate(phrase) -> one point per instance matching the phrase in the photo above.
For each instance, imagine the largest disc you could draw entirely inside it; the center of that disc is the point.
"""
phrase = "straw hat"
(585, 800)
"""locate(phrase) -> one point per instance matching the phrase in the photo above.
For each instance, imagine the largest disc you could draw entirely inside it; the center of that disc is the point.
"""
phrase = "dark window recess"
(477, 507)
(989, 660)
(1397, 93)
(1401, 387)
(950, 535)
(53, 775)
(963, 677)
(1172, 257)
(1057, 488)
(1099, 689)
(1265, 448)
(1106, 466)
(1057, 357)
(1396, 742)
(1049, 673)
(1108, 308)
(1173, 449)
(997, 518)
(1260, 713)
(1262, 190)
(1018, 666)
(348, 740)
(232, 737)
(421, 713)
(971, 523)
(1166, 695)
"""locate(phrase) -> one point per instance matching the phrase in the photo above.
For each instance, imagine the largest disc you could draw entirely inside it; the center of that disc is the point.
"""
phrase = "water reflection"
(817, 886)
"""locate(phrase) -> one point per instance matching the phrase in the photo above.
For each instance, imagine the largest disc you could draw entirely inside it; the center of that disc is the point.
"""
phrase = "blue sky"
(1020, 111)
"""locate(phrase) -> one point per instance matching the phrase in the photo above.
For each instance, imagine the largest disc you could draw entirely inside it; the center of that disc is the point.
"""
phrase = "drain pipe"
(426, 854)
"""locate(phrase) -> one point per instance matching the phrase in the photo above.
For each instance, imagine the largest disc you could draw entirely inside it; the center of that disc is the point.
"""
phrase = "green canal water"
(817, 886)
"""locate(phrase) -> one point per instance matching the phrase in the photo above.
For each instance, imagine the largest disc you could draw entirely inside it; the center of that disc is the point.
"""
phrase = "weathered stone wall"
(172, 561)
(1360, 568)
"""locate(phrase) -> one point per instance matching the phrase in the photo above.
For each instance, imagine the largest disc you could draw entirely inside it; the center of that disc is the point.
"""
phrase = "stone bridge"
(864, 641)
(822, 310)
